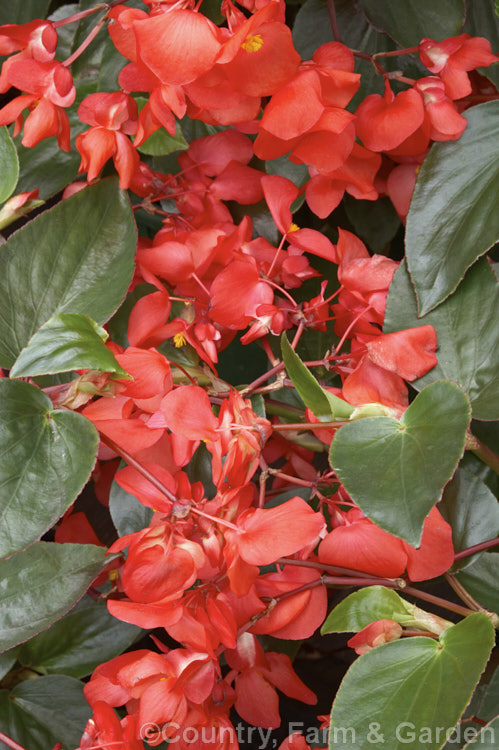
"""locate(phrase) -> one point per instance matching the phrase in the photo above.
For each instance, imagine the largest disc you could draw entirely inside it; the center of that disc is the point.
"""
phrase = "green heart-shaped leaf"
(396, 470)
(398, 695)
(46, 460)
(9, 165)
(41, 584)
(64, 343)
(453, 218)
(467, 333)
(76, 257)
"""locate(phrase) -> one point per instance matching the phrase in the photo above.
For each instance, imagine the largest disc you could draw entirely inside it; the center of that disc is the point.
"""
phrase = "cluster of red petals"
(374, 551)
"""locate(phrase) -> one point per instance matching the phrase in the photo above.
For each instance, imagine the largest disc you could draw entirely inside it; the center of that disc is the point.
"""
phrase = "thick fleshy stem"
(366, 580)
(462, 593)
(483, 452)
(476, 548)
(438, 601)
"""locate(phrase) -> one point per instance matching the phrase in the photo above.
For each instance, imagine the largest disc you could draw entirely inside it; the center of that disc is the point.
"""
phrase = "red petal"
(365, 547)
(436, 553)
(295, 107)
(279, 194)
(409, 353)
(369, 383)
(383, 125)
(268, 534)
(283, 676)
(256, 700)
(148, 314)
(187, 411)
(177, 46)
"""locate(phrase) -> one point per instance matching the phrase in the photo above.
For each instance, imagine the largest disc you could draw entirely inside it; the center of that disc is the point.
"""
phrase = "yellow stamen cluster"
(179, 340)
(252, 43)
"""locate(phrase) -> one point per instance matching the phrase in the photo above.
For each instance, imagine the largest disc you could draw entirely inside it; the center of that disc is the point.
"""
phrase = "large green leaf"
(66, 342)
(40, 712)
(365, 606)
(480, 580)
(453, 218)
(41, 584)
(22, 11)
(9, 165)
(77, 643)
(45, 461)
(76, 257)
(399, 694)
(409, 21)
(324, 405)
(467, 333)
(396, 470)
(472, 511)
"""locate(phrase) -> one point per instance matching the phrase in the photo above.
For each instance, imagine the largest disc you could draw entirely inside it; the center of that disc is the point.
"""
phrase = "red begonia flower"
(452, 58)
(383, 122)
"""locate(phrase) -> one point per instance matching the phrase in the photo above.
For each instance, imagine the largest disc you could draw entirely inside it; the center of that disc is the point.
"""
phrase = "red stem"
(397, 52)
(136, 465)
(333, 21)
(86, 42)
(10, 742)
(334, 569)
(292, 426)
(438, 601)
(476, 548)
(78, 16)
